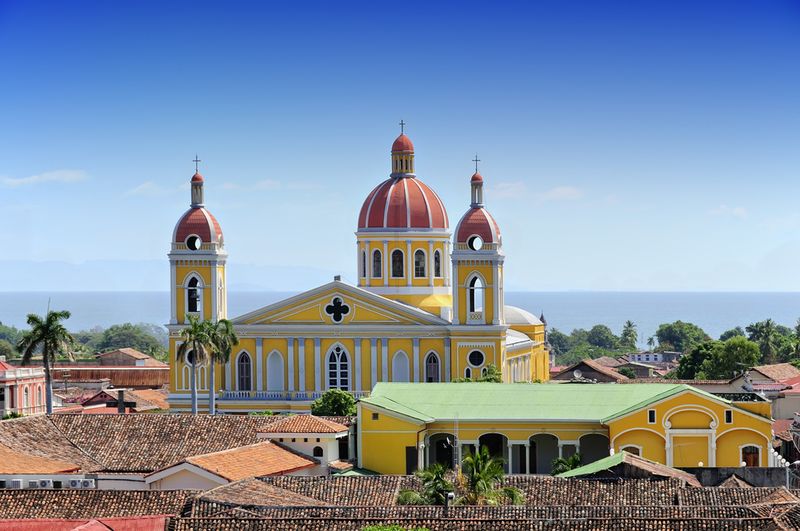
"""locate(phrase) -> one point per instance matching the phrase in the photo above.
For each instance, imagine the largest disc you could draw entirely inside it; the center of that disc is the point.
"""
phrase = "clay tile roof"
(132, 352)
(602, 369)
(89, 503)
(304, 424)
(156, 397)
(403, 203)
(778, 371)
(734, 482)
(402, 143)
(478, 221)
(477, 178)
(16, 462)
(197, 178)
(608, 361)
(253, 491)
(199, 221)
(260, 459)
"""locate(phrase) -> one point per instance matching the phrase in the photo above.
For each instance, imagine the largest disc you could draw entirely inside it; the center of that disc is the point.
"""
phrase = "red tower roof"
(200, 222)
(476, 178)
(402, 143)
(403, 202)
(478, 222)
(197, 178)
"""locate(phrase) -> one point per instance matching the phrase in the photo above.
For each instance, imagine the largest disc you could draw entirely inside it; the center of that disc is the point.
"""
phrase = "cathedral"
(429, 305)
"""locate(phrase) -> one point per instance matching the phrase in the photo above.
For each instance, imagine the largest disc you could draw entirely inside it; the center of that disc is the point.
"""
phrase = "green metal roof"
(427, 402)
(593, 468)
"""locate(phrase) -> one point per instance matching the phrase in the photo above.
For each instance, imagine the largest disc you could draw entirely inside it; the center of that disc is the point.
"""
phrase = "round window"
(194, 242)
(475, 243)
(475, 358)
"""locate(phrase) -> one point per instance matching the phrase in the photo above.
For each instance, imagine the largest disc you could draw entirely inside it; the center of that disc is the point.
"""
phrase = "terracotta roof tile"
(89, 503)
(778, 371)
(304, 424)
(16, 462)
(260, 459)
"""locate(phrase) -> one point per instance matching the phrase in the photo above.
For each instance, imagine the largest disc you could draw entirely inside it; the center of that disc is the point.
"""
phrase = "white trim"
(259, 355)
(388, 202)
(424, 262)
(415, 358)
(407, 200)
(391, 268)
(639, 448)
(427, 204)
(620, 434)
(447, 360)
(174, 294)
(275, 352)
(373, 367)
(760, 452)
(385, 263)
(290, 358)
(317, 386)
(372, 200)
(371, 265)
(478, 366)
(385, 359)
(326, 368)
(301, 364)
(410, 264)
(408, 366)
(201, 287)
(357, 356)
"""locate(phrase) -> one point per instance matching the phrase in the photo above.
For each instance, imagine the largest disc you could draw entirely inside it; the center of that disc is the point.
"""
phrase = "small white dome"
(518, 316)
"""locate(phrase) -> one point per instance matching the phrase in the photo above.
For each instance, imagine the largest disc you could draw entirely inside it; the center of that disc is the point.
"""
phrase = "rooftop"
(490, 401)
(304, 424)
(643, 466)
(260, 459)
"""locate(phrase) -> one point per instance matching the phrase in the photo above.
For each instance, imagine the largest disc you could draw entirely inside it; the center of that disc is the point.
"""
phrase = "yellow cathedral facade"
(429, 306)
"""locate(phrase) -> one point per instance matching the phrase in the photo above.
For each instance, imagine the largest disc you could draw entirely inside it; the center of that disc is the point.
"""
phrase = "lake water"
(714, 312)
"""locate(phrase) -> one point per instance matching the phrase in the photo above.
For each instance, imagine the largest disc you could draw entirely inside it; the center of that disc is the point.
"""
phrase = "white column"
(409, 263)
(368, 272)
(259, 351)
(417, 364)
(420, 456)
(455, 297)
(373, 350)
(560, 449)
(510, 458)
(173, 295)
(214, 294)
(385, 263)
(385, 359)
(495, 297)
(447, 377)
(228, 376)
(358, 363)
(528, 457)
(301, 363)
(290, 355)
(446, 263)
(317, 375)
(430, 263)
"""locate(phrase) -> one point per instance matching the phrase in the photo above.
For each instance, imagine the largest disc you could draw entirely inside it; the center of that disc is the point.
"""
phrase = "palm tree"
(565, 464)
(435, 488)
(52, 338)
(222, 339)
(629, 334)
(651, 341)
(481, 475)
(194, 349)
(765, 334)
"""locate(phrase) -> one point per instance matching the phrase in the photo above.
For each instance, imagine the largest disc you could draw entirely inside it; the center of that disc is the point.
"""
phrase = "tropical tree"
(435, 488)
(730, 358)
(194, 349)
(602, 336)
(765, 335)
(651, 342)
(733, 332)
(480, 479)
(49, 336)
(335, 403)
(627, 372)
(565, 464)
(629, 335)
(690, 365)
(680, 336)
(222, 338)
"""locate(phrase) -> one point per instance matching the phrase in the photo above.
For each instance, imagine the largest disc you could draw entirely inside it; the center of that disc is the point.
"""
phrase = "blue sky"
(625, 145)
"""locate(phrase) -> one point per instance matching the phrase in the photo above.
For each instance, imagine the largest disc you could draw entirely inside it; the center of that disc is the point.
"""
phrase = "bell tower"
(197, 262)
(477, 259)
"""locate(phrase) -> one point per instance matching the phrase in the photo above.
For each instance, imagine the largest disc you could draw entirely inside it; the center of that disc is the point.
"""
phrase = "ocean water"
(714, 312)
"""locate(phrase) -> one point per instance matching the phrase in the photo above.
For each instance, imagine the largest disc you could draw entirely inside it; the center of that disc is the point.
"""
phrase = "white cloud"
(61, 176)
(725, 210)
(267, 184)
(561, 193)
(147, 189)
(505, 190)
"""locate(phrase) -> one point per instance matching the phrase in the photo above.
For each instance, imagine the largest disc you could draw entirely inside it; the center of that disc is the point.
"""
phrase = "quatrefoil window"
(337, 309)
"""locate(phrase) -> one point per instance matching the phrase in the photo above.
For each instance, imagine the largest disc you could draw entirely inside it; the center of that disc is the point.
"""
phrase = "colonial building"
(22, 389)
(428, 307)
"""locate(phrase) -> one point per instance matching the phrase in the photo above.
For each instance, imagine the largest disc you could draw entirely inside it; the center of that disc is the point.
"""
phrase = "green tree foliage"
(10, 334)
(627, 372)
(138, 336)
(559, 341)
(6, 349)
(629, 335)
(49, 336)
(733, 332)
(690, 365)
(481, 478)
(565, 464)
(435, 488)
(602, 336)
(765, 335)
(731, 358)
(680, 336)
(334, 403)
(265, 413)
(493, 375)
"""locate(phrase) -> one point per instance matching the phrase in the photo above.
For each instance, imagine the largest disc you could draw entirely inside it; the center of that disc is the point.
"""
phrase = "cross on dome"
(197, 162)
(402, 127)
(476, 160)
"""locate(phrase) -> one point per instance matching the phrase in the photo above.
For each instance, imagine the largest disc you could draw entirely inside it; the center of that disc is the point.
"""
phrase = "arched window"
(377, 264)
(437, 264)
(432, 367)
(317, 451)
(751, 455)
(467, 373)
(338, 369)
(475, 294)
(633, 450)
(400, 369)
(275, 371)
(419, 263)
(25, 400)
(363, 267)
(397, 263)
(244, 376)
(39, 396)
(193, 295)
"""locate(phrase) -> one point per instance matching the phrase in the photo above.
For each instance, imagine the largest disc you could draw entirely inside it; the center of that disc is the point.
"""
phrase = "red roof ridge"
(304, 423)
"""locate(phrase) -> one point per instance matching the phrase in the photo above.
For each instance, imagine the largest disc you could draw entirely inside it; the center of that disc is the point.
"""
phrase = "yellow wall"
(465, 271)
(384, 441)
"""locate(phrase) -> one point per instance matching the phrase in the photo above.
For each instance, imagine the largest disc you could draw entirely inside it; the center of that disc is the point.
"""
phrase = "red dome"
(477, 178)
(478, 222)
(403, 203)
(197, 178)
(200, 222)
(402, 143)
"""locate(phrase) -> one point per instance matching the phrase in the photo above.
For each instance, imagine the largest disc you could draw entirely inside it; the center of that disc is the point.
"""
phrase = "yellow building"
(427, 307)
(404, 426)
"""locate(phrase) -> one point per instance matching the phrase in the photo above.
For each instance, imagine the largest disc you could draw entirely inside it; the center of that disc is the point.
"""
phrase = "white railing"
(282, 396)
(474, 317)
